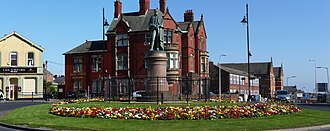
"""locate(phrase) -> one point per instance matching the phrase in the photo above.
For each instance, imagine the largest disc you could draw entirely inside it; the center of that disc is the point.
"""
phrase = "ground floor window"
(173, 60)
(29, 85)
(77, 85)
(97, 86)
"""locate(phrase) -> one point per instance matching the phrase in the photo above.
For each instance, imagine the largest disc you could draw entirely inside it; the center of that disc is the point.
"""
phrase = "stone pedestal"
(156, 67)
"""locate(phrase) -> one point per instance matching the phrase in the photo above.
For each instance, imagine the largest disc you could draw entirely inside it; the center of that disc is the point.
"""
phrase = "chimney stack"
(118, 9)
(162, 4)
(189, 16)
(144, 6)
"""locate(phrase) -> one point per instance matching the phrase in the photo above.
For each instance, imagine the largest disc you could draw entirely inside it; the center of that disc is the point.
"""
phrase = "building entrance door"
(13, 88)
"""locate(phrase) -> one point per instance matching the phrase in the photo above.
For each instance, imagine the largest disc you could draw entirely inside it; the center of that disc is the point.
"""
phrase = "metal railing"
(25, 96)
(156, 89)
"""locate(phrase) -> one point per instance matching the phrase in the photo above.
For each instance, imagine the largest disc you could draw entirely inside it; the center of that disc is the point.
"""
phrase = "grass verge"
(38, 116)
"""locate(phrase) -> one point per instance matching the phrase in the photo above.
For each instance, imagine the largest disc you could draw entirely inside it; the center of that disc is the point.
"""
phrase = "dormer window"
(30, 59)
(122, 40)
(13, 59)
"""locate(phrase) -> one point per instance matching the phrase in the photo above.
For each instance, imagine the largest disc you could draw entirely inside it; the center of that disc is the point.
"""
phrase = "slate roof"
(134, 21)
(59, 80)
(47, 72)
(233, 71)
(184, 25)
(259, 68)
(290, 88)
(89, 46)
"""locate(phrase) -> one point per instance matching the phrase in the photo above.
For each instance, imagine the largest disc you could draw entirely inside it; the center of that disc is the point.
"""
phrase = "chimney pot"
(144, 6)
(189, 16)
(162, 4)
(118, 8)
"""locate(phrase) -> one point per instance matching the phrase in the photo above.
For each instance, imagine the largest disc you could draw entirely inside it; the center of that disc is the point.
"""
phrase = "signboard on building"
(322, 87)
(299, 94)
(18, 70)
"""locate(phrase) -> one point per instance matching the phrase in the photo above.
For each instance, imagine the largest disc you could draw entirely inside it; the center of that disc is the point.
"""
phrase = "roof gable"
(278, 72)
(199, 27)
(23, 39)
(168, 14)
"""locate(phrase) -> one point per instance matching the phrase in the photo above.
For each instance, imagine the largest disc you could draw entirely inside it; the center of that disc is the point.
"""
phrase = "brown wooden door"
(16, 92)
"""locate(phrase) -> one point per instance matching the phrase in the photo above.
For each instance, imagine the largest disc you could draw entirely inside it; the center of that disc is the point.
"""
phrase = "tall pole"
(248, 45)
(103, 20)
(220, 75)
(246, 21)
(103, 24)
(315, 76)
(46, 81)
(327, 79)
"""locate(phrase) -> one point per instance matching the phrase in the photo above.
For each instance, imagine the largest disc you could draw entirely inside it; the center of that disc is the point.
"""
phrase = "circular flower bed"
(178, 113)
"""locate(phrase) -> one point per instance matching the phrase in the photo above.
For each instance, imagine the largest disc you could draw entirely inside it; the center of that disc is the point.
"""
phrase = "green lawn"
(38, 116)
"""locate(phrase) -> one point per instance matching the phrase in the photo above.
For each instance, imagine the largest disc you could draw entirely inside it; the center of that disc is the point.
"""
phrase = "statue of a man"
(156, 27)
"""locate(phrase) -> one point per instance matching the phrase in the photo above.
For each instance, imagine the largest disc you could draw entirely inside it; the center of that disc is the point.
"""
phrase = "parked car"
(138, 94)
(70, 95)
(282, 95)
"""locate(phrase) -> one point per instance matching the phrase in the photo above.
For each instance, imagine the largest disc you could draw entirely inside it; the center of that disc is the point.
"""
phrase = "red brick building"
(264, 71)
(121, 56)
(278, 72)
(233, 81)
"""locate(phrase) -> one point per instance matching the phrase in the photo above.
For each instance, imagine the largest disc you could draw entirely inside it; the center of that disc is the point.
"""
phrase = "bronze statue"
(156, 27)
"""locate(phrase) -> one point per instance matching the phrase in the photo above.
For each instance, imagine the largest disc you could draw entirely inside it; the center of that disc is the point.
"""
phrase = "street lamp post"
(327, 76)
(245, 20)
(220, 75)
(315, 76)
(287, 80)
(105, 25)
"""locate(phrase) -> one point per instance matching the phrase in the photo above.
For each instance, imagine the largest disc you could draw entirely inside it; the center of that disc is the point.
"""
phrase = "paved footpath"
(313, 128)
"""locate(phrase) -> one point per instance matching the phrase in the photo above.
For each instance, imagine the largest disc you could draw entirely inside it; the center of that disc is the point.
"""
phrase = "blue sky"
(289, 31)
